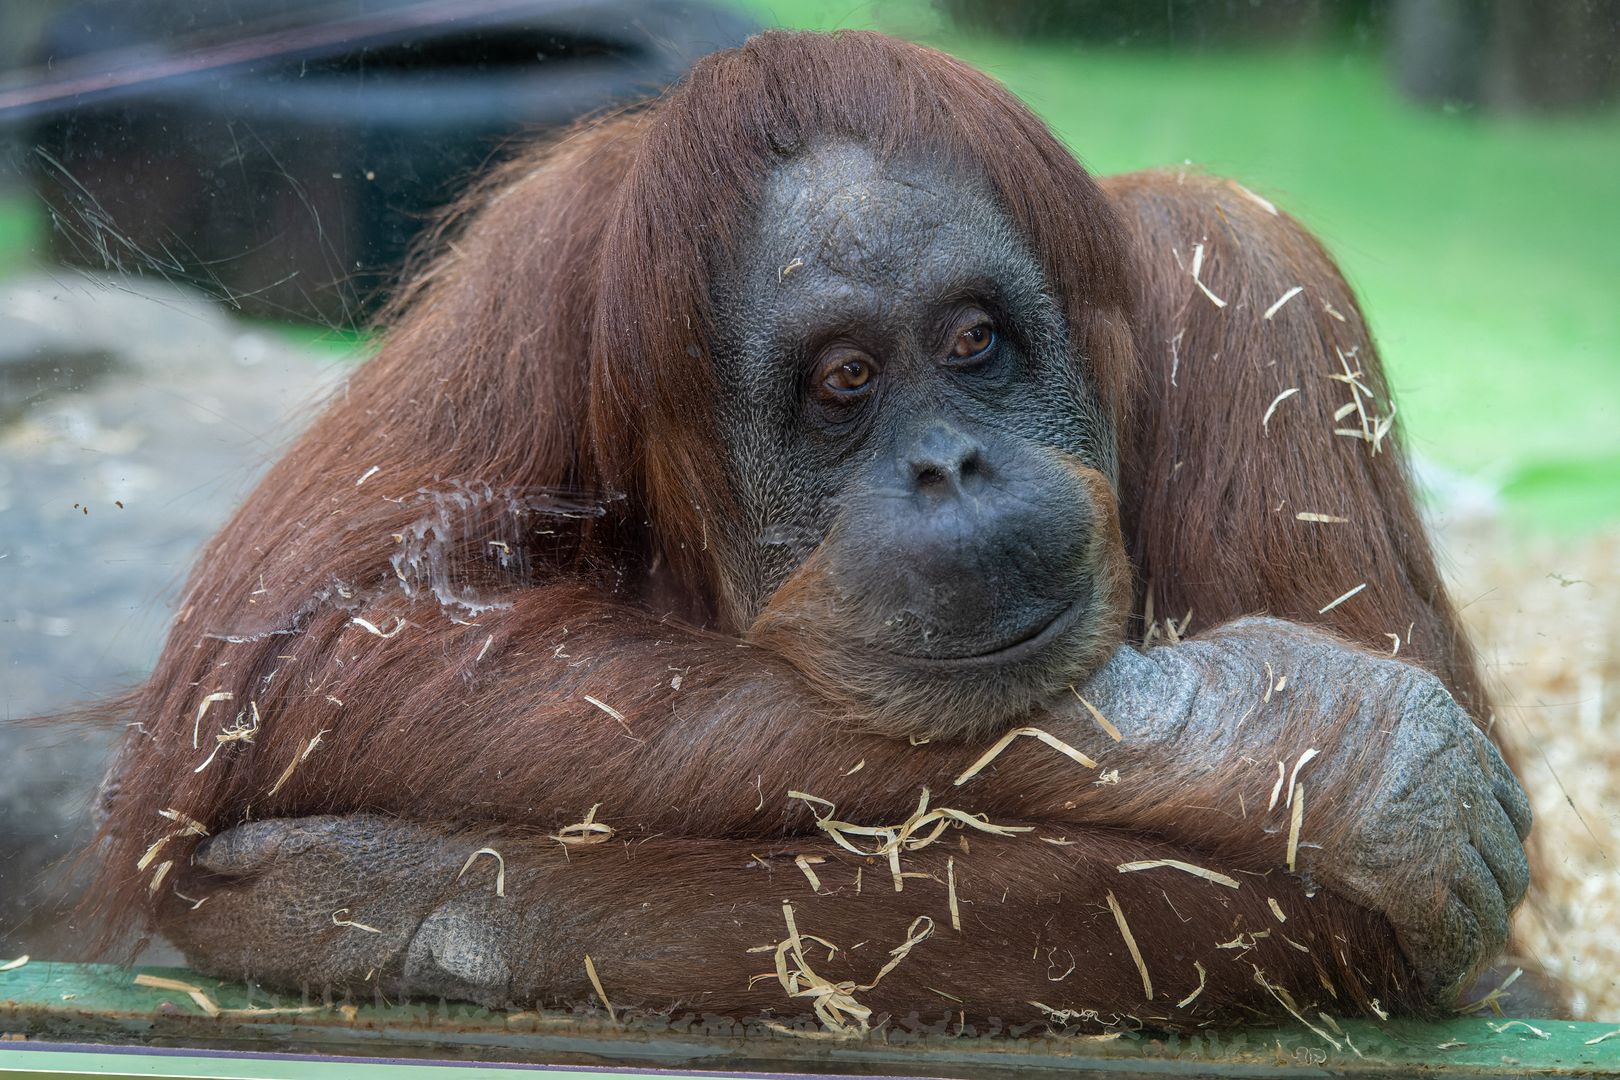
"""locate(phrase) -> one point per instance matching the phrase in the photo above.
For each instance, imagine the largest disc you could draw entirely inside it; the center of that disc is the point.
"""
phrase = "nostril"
(972, 467)
(943, 460)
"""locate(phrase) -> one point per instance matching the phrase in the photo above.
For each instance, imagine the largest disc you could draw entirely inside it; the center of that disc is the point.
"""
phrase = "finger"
(1476, 886)
(1510, 794)
(459, 952)
(1499, 846)
(1442, 948)
(245, 849)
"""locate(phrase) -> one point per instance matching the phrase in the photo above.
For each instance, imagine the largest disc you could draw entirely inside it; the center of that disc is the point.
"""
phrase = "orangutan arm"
(1407, 814)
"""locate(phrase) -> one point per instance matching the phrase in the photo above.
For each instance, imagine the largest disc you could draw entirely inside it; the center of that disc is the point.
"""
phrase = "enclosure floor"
(1546, 618)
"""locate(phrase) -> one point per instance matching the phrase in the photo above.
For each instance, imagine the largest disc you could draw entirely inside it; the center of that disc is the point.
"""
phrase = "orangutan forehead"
(841, 210)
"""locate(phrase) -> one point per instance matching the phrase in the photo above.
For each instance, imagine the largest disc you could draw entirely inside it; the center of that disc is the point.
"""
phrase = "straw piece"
(1188, 1000)
(1033, 732)
(202, 707)
(1342, 599)
(1130, 943)
(371, 628)
(1298, 765)
(1185, 867)
(1276, 789)
(1102, 721)
(804, 862)
(344, 920)
(1294, 822)
(1286, 1001)
(950, 886)
(1283, 299)
(611, 711)
(194, 992)
(1265, 420)
(500, 868)
(191, 826)
(590, 970)
(589, 831)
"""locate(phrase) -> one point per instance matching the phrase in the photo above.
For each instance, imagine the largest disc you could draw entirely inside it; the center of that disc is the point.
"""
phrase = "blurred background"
(202, 204)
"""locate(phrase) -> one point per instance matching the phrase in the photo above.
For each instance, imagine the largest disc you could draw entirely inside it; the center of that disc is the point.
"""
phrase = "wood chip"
(13, 965)
(950, 886)
(1320, 519)
(590, 970)
(1276, 909)
(1006, 740)
(1185, 867)
(205, 1003)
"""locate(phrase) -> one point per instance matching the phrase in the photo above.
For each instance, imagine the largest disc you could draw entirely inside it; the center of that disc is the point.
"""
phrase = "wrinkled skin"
(956, 511)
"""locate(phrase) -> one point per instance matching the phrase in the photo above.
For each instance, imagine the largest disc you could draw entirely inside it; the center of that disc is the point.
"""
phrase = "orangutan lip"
(1016, 650)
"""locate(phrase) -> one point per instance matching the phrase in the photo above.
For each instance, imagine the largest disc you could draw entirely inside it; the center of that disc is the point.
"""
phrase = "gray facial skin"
(953, 526)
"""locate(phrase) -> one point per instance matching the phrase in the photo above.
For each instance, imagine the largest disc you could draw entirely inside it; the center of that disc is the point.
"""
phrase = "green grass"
(22, 233)
(1486, 250)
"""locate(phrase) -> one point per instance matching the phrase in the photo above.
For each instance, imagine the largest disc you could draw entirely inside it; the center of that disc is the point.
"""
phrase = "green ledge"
(96, 1020)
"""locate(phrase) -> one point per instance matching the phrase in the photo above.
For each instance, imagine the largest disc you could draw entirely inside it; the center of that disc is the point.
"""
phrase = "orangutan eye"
(848, 373)
(973, 340)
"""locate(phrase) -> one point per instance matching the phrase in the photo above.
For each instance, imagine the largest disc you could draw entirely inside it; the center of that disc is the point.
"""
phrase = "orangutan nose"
(945, 462)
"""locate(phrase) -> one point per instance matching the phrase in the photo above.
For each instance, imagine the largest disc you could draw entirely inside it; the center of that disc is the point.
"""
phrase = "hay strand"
(1130, 943)
(1002, 743)
(500, 868)
(1185, 867)
(590, 971)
